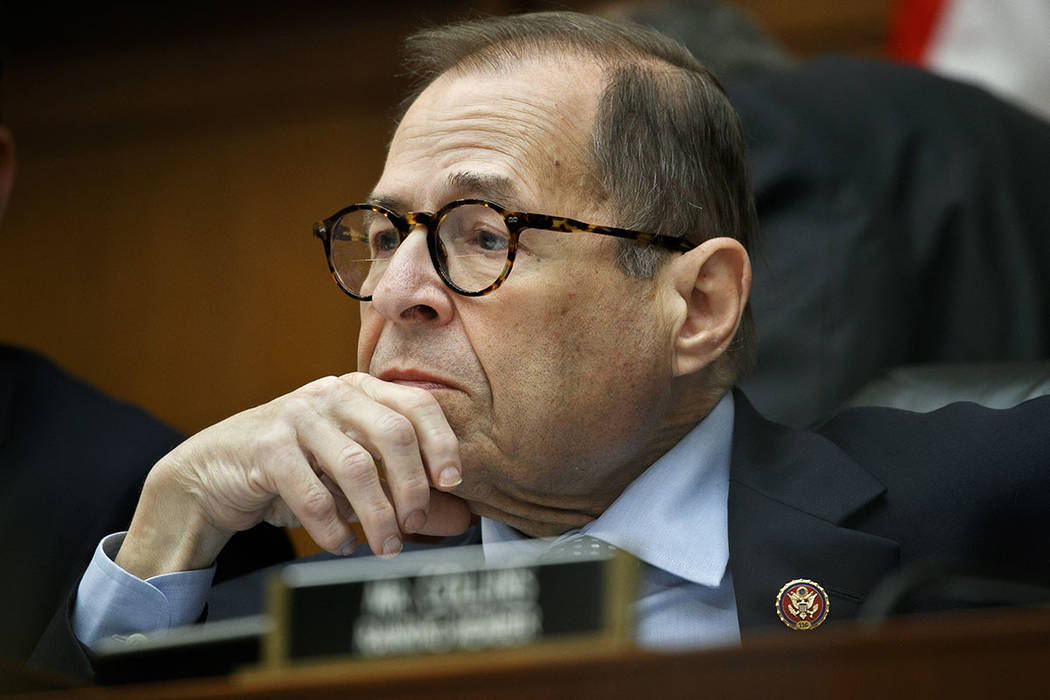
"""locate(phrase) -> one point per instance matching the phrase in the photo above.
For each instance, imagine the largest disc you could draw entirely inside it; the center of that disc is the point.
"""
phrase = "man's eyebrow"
(461, 185)
(387, 202)
(497, 188)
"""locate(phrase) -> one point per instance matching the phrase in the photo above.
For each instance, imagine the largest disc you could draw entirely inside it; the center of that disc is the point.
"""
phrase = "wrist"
(168, 532)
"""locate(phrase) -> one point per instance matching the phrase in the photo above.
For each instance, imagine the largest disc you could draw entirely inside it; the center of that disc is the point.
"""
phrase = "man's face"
(553, 382)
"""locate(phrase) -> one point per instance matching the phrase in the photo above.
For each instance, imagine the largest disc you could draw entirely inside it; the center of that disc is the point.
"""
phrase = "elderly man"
(553, 276)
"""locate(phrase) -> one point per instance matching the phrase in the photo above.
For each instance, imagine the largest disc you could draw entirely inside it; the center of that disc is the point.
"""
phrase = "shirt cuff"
(111, 602)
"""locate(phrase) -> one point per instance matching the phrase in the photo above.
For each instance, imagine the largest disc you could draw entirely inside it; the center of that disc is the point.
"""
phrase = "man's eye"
(490, 241)
(384, 242)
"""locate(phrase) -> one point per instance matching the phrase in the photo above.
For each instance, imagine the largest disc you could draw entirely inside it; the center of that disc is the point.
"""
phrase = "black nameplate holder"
(450, 600)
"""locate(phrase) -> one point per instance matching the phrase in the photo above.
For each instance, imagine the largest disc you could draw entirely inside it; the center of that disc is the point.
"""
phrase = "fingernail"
(392, 546)
(415, 521)
(347, 548)
(450, 477)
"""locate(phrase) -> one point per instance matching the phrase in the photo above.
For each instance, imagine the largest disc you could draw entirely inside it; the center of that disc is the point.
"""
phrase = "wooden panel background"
(172, 158)
(158, 239)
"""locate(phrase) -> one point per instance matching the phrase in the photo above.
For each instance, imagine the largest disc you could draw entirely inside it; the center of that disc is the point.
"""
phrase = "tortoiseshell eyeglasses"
(472, 242)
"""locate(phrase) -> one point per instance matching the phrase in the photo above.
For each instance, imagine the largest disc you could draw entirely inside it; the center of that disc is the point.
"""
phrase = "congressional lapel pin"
(802, 604)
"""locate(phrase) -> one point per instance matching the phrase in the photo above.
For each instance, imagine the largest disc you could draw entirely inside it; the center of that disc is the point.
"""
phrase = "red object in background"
(1000, 46)
(911, 26)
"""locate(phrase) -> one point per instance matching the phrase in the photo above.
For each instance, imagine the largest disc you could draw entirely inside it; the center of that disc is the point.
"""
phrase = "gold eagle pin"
(802, 604)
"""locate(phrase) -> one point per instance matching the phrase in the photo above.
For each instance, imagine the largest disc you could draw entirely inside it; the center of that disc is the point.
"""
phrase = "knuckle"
(295, 405)
(322, 387)
(377, 514)
(397, 429)
(274, 438)
(317, 504)
(416, 399)
(356, 466)
(443, 440)
(355, 378)
(413, 485)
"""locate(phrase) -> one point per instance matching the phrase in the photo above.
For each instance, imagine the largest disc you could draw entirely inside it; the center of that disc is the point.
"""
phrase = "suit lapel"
(790, 493)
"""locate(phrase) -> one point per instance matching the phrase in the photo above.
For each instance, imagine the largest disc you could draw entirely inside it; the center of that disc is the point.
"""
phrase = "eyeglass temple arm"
(565, 225)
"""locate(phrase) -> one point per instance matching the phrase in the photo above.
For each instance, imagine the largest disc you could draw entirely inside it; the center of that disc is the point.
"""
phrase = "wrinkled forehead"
(524, 128)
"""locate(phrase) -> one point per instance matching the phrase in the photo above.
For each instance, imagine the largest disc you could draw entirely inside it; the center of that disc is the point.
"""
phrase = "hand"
(310, 458)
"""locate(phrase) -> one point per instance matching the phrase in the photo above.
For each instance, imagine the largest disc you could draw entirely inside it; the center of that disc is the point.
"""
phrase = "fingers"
(433, 438)
(406, 429)
(346, 511)
(353, 470)
(312, 504)
(447, 515)
(391, 437)
(344, 426)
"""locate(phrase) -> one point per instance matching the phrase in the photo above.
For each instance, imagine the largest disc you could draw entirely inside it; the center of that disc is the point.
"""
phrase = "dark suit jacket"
(873, 490)
(72, 462)
(876, 489)
(916, 206)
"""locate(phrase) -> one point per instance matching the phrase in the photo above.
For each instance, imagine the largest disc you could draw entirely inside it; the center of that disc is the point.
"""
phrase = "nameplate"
(448, 600)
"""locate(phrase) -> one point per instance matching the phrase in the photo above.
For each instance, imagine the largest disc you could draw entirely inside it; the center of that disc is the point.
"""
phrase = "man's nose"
(410, 288)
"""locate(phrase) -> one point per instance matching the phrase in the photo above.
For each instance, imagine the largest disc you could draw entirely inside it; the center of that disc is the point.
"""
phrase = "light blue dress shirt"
(674, 518)
(112, 603)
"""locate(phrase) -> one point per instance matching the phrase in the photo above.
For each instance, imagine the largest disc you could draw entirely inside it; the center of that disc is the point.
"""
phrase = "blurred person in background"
(902, 214)
(72, 463)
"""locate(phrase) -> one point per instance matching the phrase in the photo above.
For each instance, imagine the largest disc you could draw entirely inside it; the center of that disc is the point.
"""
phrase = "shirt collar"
(675, 515)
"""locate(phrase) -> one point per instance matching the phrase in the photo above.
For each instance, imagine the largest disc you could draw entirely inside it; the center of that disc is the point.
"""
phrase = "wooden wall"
(158, 239)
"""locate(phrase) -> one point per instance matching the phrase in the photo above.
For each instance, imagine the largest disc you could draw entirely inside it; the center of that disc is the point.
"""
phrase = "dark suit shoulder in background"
(72, 462)
(901, 220)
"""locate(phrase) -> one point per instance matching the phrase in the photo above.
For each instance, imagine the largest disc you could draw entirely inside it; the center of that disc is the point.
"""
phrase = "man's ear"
(711, 286)
(7, 165)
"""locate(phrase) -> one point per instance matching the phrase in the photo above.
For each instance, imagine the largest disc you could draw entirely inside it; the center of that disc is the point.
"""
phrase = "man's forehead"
(564, 72)
(503, 134)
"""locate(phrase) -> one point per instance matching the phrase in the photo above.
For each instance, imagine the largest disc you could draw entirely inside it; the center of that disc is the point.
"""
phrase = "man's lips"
(418, 378)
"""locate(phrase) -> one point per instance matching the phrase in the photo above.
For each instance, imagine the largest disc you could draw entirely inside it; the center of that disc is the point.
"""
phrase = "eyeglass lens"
(473, 243)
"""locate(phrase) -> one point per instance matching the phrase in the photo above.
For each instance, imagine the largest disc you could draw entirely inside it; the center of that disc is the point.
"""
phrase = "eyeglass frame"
(515, 222)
